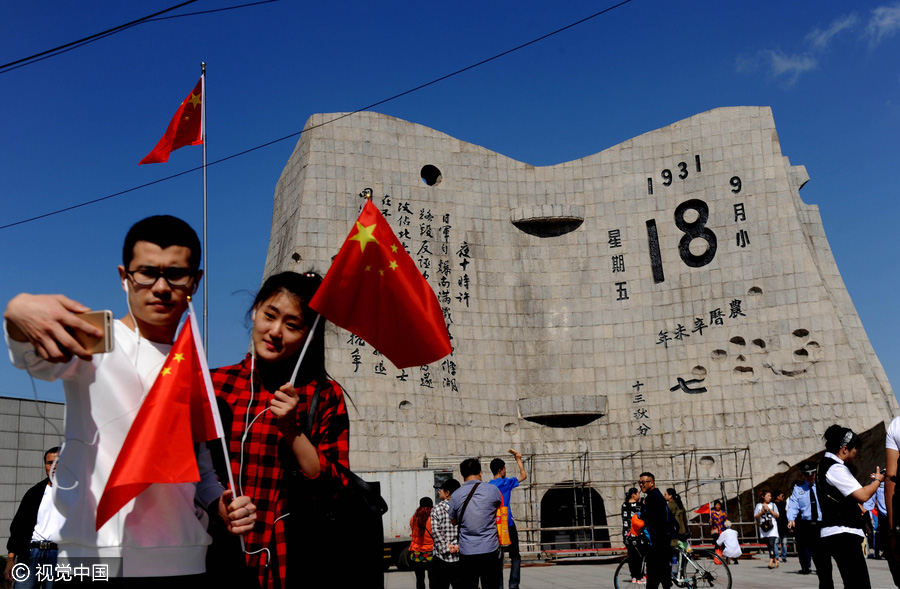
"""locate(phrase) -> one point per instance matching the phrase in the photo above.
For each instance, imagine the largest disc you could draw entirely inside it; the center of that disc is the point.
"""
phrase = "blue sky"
(74, 126)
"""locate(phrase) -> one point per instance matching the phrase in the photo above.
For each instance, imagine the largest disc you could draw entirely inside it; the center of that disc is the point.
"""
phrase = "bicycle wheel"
(701, 570)
(623, 575)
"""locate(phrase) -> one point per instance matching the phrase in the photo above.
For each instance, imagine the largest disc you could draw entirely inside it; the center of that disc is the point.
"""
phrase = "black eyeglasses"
(173, 276)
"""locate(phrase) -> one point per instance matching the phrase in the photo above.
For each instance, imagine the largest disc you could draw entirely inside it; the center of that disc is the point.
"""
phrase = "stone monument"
(669, 292)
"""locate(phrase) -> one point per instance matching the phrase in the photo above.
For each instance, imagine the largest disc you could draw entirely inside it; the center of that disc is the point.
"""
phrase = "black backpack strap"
(466, 504)
(376, 502)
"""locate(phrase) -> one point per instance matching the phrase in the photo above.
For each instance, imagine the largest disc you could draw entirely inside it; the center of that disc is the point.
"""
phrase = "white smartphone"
(97, 345)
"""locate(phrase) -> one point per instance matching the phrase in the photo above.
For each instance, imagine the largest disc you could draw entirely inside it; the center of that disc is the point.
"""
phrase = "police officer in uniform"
(805, 517)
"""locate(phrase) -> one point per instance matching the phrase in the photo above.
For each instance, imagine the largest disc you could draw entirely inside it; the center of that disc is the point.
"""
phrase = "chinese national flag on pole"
(178, 412)
(375, 290)
(702, 509)
(184, 128)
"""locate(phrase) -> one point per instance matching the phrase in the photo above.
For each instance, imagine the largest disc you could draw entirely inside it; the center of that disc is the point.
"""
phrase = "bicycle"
(695, 569)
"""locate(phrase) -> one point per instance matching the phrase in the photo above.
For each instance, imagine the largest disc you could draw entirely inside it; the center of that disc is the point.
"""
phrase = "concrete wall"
(27, 429)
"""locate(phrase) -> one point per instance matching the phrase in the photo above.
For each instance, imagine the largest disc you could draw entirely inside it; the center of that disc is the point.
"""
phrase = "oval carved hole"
(801, 332)
(738, 340)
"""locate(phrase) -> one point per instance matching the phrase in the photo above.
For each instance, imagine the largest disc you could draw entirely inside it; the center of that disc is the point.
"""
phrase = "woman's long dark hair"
(420, 517)
(836, 437)
(675, 497)
(302, 287)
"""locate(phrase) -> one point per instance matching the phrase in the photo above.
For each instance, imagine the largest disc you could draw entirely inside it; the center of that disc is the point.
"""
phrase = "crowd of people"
(828, 512)
(287, 432)
(286, 443)
(458, 542)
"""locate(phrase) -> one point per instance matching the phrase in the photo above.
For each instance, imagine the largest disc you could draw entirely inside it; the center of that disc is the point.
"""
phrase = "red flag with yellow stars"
(178, 412)
(184, 128)
(375, 290)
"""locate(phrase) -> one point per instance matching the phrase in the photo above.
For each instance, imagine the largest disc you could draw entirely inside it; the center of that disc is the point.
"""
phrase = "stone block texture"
(669, 292)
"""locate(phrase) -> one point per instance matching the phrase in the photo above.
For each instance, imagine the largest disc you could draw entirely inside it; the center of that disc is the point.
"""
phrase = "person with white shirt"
(728, 540)
(158, 537)
(29, 533)
(892, 457)
(840, 497)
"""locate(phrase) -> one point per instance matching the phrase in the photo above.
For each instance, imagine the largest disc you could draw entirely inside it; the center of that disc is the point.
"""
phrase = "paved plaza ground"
(749, 574)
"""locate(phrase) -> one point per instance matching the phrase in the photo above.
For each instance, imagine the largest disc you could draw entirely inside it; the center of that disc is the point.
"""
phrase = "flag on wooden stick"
(179, 411)
(375, 290)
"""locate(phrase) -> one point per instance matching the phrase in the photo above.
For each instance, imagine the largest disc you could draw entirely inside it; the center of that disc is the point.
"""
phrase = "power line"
(155, 17)
(213, 10)
(43, 54)
(343, 116)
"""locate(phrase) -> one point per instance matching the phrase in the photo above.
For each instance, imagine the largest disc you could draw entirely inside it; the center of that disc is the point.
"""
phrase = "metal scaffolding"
(572, 501)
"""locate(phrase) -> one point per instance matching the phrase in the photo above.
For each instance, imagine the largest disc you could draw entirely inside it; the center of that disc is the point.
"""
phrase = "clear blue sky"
(75, 126)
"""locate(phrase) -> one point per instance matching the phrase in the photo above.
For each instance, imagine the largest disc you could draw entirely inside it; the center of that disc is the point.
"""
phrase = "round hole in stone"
(431, 175)
(755, 291)
(801, 332)
(510, 428)
(405, 405)
(707, 461)
(801, 353)
(719, 355)
(759, 343)
(782, 466)
(744, 370)
(738, 340)
(699, 372)
(813, 345)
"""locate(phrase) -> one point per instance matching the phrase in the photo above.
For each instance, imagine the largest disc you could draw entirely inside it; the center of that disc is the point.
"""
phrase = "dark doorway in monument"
(573, 517)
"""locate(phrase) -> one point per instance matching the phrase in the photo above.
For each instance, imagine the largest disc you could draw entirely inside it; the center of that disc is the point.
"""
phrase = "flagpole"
(205, 247)
(213, 405)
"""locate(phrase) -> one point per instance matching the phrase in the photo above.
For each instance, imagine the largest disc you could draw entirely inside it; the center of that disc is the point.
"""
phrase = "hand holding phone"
(102, 320)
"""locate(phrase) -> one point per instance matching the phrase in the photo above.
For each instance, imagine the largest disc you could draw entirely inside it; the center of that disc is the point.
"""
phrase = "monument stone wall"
(672, 291)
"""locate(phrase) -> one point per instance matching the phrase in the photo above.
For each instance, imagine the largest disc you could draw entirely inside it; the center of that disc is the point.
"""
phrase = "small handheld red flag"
(184, 128)
(702, 509)
(178, 412)
(375, 290)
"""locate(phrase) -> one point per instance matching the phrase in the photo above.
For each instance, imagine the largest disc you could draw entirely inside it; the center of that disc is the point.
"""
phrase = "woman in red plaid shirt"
(290, 473)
